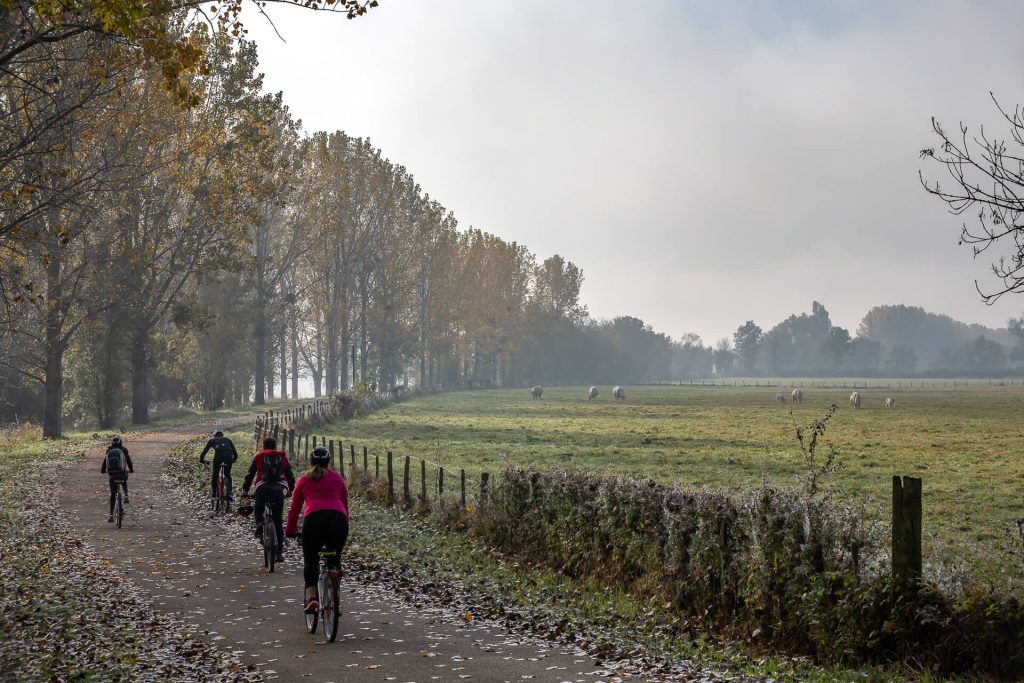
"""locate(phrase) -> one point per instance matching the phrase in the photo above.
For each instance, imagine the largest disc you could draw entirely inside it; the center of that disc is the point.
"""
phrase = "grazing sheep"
(798, 396)
(619, 393)
(537, 391)
(890, 402)
(592, 394)
(779, 398)
(855, 400)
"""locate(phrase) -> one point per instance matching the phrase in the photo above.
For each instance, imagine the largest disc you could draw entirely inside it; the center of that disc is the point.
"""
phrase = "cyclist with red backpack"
(274, 479)
(116, 465)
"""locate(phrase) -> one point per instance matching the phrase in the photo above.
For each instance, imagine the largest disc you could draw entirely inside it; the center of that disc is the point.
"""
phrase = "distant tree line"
(890, 341)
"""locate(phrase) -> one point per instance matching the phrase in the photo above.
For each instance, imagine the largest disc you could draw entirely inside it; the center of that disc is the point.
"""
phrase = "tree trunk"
(295, 354)
(364, 303)
(260, 337)
(54, 388)
(140, 378)
(283, 351)
(343, 350)
(318, 370)
(331, 325)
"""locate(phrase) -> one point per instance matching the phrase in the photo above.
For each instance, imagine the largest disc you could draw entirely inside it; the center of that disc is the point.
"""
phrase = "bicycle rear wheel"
(269, 545)
(331, 607)
(119, 509)
(313, 619)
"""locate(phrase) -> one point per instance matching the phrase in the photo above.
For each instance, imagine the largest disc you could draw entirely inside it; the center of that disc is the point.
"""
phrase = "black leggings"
(272, 495)
(121, 479)
(215, 474)
(323, 528)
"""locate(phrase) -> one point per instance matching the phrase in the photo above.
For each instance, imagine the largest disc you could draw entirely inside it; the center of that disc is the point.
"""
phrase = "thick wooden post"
(352, 452)
(440, 482)
(405, 484)
(330, 448)
(423, 482)
(391, 480)
(306, 449)
(366, 462)
(484, 479)
(376, 467)
(462, 487)
(906, 529)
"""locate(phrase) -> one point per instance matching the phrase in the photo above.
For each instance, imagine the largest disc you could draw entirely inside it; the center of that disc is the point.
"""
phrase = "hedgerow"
(774, 566)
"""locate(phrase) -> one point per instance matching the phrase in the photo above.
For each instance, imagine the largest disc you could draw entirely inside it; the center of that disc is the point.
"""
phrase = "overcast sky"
(705, 163)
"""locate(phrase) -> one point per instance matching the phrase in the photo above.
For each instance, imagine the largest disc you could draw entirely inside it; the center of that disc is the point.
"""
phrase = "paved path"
(211, 573)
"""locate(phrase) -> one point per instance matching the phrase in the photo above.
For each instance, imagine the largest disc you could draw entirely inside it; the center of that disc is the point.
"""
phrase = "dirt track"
(212, 574)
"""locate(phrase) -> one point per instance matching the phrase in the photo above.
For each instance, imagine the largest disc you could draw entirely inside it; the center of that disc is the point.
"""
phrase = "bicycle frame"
(329, 590)
(119, 502)
(222, 504)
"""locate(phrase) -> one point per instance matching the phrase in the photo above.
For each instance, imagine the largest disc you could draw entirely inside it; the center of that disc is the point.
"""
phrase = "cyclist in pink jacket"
(325, 496)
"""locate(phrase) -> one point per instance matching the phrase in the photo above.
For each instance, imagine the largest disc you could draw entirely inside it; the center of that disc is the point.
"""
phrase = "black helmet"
(218, 433)
(320, 456)
(116, 441)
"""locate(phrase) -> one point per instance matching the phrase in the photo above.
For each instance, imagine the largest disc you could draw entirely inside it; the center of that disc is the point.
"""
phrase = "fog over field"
(703, 163)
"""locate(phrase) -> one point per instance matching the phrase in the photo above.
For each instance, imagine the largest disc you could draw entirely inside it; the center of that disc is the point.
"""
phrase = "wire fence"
(408, 478)
(855, 383)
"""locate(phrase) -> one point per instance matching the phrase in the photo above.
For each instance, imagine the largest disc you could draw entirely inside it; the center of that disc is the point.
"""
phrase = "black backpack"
(273, 468)
(115, 461)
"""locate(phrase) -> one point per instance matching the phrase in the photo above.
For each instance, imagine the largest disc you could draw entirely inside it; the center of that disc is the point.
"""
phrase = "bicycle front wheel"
(331, 607)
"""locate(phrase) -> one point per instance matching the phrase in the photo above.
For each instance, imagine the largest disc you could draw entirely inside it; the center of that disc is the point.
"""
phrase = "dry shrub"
(20, 433)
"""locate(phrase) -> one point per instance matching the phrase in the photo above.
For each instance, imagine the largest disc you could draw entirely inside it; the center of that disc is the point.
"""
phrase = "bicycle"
(119, 502)
(222, 503)
(268, 535)
(328, 587)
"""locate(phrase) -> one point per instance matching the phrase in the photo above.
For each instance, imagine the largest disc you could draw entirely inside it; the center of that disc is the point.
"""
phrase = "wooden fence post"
(484, 479)
(376, 467)
(423, 482)
(906, 529)
(391, 480)
(352, 451)
(405, 484)
(462, 487)
(306, 448)
(440, 482)
(330, 448)
(366, 465)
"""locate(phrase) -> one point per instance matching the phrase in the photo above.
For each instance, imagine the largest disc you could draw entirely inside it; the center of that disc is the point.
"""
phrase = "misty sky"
(704, 163)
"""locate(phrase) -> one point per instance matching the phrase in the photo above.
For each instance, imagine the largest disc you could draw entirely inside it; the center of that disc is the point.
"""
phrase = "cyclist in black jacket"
(224, 453)
(116, 476)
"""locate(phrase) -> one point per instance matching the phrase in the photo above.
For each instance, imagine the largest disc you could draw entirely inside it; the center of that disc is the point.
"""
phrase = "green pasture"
(965, 442)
